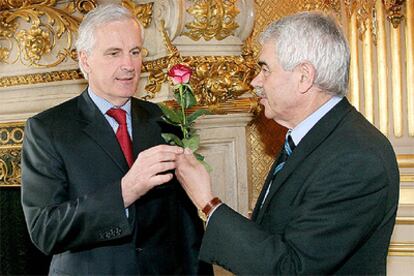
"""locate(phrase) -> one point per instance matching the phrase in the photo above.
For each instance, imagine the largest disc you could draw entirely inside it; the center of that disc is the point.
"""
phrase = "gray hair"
(99, 16)
(315, 38)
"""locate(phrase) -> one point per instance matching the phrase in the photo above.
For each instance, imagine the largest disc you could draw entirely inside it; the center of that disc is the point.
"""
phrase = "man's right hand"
(148, 172)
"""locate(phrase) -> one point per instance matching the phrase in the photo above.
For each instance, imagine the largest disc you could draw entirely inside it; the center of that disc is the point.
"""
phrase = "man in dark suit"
(93, 198)
(329, 203)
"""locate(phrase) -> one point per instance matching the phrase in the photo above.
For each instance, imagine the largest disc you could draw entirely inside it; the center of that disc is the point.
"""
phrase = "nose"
(257, 80)
(127, 63)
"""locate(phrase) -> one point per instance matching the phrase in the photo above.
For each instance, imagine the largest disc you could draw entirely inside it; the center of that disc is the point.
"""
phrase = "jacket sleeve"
(342, 206)
(57, 222)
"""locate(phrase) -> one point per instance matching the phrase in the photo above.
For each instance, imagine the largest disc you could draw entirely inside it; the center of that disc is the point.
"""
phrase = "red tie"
(122, 133)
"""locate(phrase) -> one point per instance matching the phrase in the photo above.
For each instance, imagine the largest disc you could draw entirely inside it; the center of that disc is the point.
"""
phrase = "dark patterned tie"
(288, 148)
(122, 133)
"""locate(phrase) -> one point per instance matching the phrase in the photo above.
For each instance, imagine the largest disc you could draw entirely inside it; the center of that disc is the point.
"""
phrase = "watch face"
(201, 215)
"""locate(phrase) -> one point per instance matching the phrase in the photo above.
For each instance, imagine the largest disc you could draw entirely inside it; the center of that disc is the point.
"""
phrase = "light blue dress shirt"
(303, 127)
(103, 105)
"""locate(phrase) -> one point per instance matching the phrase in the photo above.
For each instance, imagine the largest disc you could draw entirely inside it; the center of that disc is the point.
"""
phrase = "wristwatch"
(205, 212)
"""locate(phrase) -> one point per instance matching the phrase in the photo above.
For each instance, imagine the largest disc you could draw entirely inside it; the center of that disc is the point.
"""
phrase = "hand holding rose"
(194, 178)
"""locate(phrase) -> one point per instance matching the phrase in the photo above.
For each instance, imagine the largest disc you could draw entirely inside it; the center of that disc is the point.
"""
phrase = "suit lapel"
(308, 144)
(269, 179)
(98, 129)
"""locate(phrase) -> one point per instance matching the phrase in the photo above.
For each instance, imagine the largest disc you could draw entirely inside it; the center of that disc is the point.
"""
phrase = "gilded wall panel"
(11, 138)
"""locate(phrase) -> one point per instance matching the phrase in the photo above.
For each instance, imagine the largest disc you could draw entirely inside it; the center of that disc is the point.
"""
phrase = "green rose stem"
(183, 128)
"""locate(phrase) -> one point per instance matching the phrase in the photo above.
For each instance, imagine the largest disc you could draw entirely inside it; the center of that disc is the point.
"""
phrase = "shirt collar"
(305, 126)
(103, 105)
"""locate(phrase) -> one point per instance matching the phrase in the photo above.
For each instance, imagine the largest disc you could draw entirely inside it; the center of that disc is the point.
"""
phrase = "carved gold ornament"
(37, 39)
(143, 12)
(394, 14)
(50, 29)
(11, 138)
(220, 79)
(365, 11)
(34, 44)
(40, 78)
(216, 79)
(212, 19)
(322, 5)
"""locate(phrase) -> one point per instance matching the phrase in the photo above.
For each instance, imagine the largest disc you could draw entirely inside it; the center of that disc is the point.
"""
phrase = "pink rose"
(180, 74)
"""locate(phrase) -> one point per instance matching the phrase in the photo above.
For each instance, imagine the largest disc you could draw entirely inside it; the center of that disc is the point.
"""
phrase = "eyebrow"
(112, 49)
(136, 48)
(119, 49)
(262, 63)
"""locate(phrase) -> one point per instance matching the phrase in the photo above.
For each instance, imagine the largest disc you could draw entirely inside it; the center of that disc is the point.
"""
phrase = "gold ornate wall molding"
(224, 24)
(215, 79)
(44, 30)
(11, 138)
(38, 78)
(47, 24)
(42, 57)
(143, 12)
(394, 11)
(212, 19)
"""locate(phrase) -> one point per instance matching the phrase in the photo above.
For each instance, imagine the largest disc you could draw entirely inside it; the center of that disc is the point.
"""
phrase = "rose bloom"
(180, 74)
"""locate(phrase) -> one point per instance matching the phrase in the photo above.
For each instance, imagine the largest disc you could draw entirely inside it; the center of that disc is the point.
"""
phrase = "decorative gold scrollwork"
(11, 138)
(212, 19)
(10, 172)
(85, 6)
(393, 8)
(143, 12)
(40, 78)
(155, 79)
(219, 79)
(48, 24)
(215, 80)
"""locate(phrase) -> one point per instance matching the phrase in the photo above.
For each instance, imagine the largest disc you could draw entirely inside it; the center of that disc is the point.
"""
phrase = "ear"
(307, 75)
(83, 59)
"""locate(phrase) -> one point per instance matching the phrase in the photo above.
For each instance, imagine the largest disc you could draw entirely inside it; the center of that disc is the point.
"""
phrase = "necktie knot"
(118, 114)
(289, 145)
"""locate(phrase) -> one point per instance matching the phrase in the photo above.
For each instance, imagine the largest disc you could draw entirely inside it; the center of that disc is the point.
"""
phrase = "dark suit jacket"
(331, 210)
(72, 165)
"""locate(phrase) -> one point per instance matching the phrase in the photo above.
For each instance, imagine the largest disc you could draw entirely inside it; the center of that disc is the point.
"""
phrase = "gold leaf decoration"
(155, 79)
(215, 79)
(40, 78)
(394, 11)
(212, 19)
(365, 10)
(219, 79)
(35, 43)
(37, 39)
(143, 12)
(11, 138)
(322, 5)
